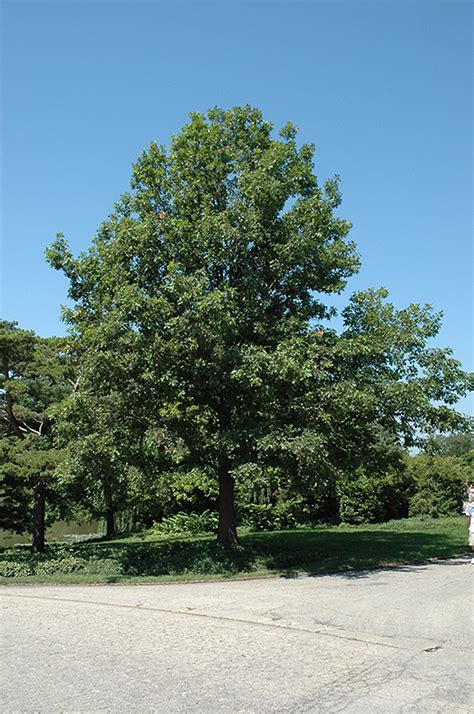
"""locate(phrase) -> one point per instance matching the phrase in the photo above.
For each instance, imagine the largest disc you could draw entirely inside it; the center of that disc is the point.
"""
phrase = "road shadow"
(409, 567)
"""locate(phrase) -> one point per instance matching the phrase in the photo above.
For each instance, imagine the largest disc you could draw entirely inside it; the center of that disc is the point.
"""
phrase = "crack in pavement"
(222, 618)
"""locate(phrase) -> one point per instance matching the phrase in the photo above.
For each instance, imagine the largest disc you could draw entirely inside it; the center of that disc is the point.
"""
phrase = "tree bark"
(39, 510)
(227, 528)
(110, 523)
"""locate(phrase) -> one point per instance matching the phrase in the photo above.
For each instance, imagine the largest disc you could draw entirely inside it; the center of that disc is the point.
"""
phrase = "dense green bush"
(439, 484)
(56, 560)
(289, 513)
(293, 512)
(12, 569)
(373, 498)
(63, 565)
(172, 493)
(258, 516)
(187, 523)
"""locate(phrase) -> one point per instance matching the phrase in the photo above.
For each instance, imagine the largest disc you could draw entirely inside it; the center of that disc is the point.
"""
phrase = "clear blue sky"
(382, 89)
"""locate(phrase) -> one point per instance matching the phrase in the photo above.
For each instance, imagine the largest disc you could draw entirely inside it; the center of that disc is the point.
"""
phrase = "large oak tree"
(198, 310)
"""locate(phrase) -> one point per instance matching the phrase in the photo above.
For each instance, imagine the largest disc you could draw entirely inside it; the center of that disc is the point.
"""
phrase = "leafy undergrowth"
(147, 557)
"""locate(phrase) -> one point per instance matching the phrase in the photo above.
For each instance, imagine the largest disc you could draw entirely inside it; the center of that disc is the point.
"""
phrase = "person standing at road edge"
(469, 511)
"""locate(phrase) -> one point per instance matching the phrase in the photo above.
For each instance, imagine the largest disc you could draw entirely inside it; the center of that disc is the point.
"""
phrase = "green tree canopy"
(35, 374)
(456, 444)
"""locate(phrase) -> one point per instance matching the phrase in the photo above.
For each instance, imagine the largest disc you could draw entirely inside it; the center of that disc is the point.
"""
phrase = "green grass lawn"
(146, 558)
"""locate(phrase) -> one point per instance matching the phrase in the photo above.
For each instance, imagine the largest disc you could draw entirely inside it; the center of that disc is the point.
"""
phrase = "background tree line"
(200, 370)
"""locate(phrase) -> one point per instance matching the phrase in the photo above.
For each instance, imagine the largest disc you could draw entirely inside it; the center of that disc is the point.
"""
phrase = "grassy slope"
(147, 558)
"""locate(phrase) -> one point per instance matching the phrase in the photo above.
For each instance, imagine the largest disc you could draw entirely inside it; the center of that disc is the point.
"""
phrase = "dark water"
(57, 532)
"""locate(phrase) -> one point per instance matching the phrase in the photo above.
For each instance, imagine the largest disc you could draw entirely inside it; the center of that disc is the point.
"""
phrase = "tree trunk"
(227, 529)
(39, 508)
(110, 523)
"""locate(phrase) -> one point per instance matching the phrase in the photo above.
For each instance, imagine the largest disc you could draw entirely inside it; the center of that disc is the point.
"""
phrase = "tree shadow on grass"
(319, 551)
(286, 553)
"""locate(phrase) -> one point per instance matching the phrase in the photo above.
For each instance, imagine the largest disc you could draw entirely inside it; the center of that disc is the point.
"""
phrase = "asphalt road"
(397, 640)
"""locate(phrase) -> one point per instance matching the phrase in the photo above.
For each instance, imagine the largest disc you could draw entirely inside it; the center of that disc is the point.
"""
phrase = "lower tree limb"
(39, 511)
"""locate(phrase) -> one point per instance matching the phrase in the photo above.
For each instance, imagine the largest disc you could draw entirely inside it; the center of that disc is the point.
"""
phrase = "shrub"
(187, 523)
(258, 516)
(15, 570)
(63, 565)
(373, 498)
(20, 562)
(439, 485)
(103, 566)
(289, 513)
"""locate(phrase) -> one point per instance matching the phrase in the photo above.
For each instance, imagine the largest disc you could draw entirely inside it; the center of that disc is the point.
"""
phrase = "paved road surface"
(395, 640)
